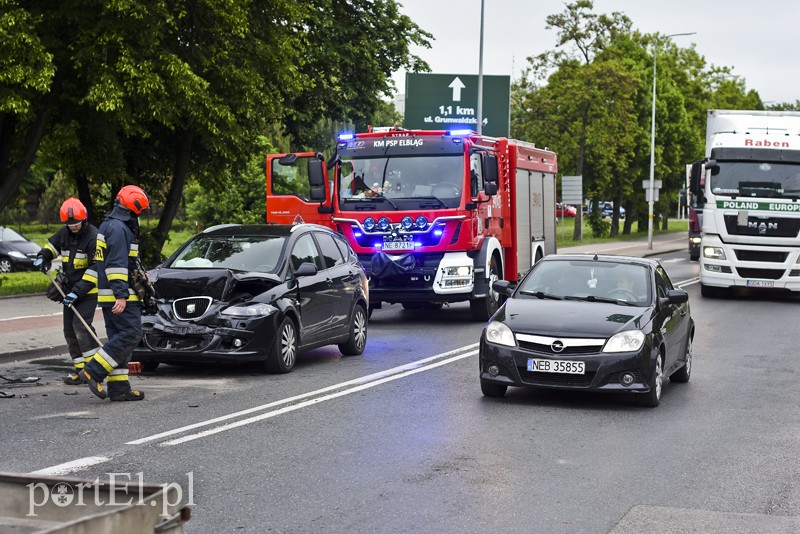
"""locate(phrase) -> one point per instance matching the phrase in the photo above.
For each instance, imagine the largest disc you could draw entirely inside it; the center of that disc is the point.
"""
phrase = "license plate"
(556, 366)
(398, 245)
(760, 283)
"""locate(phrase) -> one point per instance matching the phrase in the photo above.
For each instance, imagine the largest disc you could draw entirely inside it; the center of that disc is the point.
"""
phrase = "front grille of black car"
(168, 342)
(555, 379)
(547, 349)
(768, 274)
(191, 308)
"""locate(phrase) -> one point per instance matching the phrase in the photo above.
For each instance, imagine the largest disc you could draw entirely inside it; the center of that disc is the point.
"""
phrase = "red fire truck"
(434, 216)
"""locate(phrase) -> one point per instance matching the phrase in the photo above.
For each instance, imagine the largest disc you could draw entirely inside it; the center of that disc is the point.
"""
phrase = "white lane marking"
(32, 316)
(268, 415)
(74, 465)
(690, 281)
(354, 382)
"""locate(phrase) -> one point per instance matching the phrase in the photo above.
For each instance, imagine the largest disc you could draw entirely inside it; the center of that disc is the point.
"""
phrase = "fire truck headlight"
(369, 224)
(383, 224)
(714, 253)
(461, 270)
(421, 222)
(407, 223)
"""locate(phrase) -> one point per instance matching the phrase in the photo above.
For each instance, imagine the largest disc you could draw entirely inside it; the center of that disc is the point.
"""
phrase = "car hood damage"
(219, 284)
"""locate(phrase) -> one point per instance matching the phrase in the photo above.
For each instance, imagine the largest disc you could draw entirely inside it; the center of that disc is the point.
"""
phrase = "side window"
(476, 174)
(331, 255)
(291, 179)
(663, 282)
(305, 250)
(345, 248)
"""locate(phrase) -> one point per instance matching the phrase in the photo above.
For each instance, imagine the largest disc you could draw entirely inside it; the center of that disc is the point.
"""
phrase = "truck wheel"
(483, 309)
(694, 256)
(711, 291)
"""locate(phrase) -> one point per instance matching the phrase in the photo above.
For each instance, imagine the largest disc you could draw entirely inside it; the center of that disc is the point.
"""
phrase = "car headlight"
(715, 253)
(628, 341)
(500, 334)
(18, 255)
(252, 310)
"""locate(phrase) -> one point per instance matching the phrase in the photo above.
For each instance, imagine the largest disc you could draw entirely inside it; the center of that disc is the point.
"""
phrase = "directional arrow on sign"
(457, 85)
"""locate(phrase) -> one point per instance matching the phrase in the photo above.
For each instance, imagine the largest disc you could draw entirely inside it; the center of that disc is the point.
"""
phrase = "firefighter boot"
(95, 386)
(130, 395)
(74, 379)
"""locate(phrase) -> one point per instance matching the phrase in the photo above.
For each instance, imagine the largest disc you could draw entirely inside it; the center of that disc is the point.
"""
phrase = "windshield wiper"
(437, 199)
(541, 295)
(592, 298)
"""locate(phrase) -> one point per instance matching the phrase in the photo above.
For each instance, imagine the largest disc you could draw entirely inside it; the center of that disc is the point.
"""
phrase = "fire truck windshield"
(406, 182)
(756, 179)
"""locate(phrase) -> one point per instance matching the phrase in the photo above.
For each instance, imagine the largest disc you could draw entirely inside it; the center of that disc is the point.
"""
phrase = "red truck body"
(434, 216)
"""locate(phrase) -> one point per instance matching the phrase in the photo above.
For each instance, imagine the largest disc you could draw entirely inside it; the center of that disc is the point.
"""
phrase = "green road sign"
(450, 101)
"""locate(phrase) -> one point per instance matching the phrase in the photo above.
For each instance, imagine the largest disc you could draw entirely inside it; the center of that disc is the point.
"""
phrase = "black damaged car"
(592, 323)
(237, 293)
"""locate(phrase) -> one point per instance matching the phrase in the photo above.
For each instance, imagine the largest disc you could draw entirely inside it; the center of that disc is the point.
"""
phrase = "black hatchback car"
(17, 253)
(596, 323)
(237, 293)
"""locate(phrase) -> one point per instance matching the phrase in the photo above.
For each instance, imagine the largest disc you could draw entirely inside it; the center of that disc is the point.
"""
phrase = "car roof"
(606, 258)
(277, 230)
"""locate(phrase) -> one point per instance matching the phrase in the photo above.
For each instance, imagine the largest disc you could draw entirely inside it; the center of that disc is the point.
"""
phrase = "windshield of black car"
(401, 180)
(10, 236)
(756, 179)
(241, 253)
(591, 280)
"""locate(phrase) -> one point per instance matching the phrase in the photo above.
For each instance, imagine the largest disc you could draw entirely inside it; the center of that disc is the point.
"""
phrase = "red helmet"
(72, 211)
(133, 198)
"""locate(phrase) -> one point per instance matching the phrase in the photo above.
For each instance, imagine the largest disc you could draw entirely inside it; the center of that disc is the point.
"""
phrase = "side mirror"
(306, 269)
(694, 178)
(503, 287)
(489, 162)
(490, 188)
(675, 296)
(316, 179)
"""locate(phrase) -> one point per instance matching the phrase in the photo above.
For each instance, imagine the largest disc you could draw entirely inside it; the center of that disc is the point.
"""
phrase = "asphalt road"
(400, 439)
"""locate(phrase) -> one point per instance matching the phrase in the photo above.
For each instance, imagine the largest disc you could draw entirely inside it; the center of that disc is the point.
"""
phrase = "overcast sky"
(756, 39)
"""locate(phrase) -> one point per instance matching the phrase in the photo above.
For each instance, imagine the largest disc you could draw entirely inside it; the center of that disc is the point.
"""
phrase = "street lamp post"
(651, 186)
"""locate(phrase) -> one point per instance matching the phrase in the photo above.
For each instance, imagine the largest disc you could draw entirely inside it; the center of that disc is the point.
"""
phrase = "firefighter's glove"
(70, 299)
(41, 265)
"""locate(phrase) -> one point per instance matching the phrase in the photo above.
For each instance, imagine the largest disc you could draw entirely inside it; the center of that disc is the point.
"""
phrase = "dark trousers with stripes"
(124, 332)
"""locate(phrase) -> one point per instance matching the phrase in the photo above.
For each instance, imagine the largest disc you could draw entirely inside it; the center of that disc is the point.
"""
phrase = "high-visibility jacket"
(77, 252)
(117, 251)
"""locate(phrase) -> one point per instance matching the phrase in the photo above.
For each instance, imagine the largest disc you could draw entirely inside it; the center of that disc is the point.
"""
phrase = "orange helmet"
(133, 198)
(72, 211)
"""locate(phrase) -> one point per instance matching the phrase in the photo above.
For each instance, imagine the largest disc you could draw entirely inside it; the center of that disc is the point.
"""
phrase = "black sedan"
(592, 323)
(236, 293)
(17, 253)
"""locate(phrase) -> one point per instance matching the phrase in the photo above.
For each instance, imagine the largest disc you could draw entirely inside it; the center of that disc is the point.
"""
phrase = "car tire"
(283, 354)
(653, 397)
(148, 367)
(358, 333)
(683, 374)
(493, 390)
(5, 265)
(483, 309)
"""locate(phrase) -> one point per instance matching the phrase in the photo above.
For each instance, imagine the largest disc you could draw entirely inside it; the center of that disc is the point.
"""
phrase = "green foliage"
(600, 227)
(54, 195)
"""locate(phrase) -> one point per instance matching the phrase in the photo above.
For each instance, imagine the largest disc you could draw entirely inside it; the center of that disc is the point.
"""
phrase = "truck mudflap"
(38, 503)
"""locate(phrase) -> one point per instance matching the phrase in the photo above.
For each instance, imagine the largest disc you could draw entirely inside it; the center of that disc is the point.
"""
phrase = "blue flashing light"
(417, 244)
(346, 136)
(421, 222)
(369, 224)
(438, 233)
(384, 224)
(357, 234)
(378, 245)
(459, 132)
(407, 223)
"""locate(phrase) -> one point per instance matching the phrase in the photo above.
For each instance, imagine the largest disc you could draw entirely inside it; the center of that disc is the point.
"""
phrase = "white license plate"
(398, 245)
(556, 366)
(760, 283)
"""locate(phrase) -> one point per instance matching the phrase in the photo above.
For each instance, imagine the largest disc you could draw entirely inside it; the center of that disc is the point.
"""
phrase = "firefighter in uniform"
(75, 243)
(117, 252)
